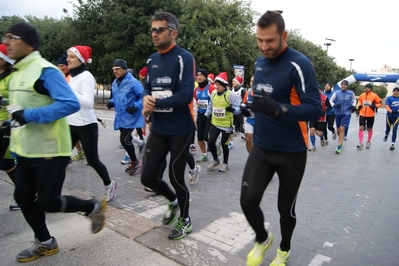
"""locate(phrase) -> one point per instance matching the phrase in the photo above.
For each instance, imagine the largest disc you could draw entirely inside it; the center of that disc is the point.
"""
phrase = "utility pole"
(350, 68)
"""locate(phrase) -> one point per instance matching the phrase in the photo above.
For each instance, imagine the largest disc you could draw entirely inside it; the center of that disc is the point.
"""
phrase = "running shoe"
(312, 148)
(338, 150)
(231, 146)
(256, 255)
(142, 148)
(385, 138)
(126, 159)
(79, 156)
(171, 214)
(281, 258)
(182, 228)
(38, 250)
(194, 175)
(104, 123)
(391, 148)
(223, 168)
(202, 159)
(326, 142)
(133, 168)
(322, 142)
(193, 148)
(360, 146)
(243, 137)
(120, 146)
(368, 145)
(213, 164)
(14, 207)
(334, 135)
(97, 215)
(345, 138)
(109, 191)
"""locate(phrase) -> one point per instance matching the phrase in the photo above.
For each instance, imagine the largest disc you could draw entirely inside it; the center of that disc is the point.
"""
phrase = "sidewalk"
(114, 245)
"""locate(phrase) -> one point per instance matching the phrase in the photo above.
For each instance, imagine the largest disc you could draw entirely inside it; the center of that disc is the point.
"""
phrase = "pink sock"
(360, 134)
(369, 135)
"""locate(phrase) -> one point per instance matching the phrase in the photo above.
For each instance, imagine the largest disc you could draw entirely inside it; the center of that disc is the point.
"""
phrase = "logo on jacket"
(164, 80)
(264, 87)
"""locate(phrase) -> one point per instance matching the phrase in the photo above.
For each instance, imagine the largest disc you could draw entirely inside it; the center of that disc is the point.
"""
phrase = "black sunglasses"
(159, 30)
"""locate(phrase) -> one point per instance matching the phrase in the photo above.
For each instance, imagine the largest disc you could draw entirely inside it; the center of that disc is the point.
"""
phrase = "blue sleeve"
(184, 94)
(65, 102)
(138, 91)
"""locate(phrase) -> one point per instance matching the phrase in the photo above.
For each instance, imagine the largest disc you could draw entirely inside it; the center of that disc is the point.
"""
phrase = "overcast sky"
(365, 31)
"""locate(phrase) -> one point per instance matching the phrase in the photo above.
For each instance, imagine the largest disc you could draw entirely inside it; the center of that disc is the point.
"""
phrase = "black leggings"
(290, 168)
(157, 147)
(203, 125)
(38, 189)
(190, 162)
(213, 135)
(125, 139)
(88, 136)
(330, 125)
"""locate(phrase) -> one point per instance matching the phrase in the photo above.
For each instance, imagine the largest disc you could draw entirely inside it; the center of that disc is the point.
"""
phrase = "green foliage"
(219, 33)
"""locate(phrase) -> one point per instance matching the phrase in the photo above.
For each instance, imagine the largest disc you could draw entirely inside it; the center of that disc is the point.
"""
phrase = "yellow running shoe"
(281, 258)
(256, 255)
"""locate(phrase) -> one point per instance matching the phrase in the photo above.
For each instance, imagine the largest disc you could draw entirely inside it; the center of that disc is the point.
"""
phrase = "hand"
(359, 107)
(230, 109)
(323, 113)
(353, 109)
(5, 129)
(373, 106)
(149, 103)
(244, 110)
(394, 112)
(131, 109)
(19, 117)
(338, 106)
(265, 104)
(110, 105)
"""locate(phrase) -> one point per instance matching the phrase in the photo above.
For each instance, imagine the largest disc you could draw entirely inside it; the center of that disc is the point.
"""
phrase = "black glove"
(19, 117)
(110, 105)
(264, 104)
(353, 109)
(323, 113)
(373, 106)
(338, 106)
(244, 110)
(359, 107)
(395, 112)
(5, 129)
(230, 109)
(131, 109)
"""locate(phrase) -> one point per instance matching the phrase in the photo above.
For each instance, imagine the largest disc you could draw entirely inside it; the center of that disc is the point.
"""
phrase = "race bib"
(219, 112)
(203, 104)
(162, 94)
(366, 103)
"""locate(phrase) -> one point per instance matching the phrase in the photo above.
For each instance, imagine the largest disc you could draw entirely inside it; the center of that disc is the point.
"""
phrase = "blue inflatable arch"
(372, 77)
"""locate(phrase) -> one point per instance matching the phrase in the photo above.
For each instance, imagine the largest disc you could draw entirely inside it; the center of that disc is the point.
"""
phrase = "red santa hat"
(3, 54)
(222, 78)
(143, 72)
(211, 78)
(238, 79)
(83, 53)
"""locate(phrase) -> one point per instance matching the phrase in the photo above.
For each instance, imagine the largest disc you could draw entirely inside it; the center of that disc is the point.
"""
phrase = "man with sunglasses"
(168, 90)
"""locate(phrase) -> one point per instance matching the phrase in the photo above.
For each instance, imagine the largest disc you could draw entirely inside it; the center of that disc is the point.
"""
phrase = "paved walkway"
(347, 209)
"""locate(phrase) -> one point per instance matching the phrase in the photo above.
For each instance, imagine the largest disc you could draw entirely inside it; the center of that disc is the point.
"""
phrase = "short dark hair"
(170, 19)
(272, 17)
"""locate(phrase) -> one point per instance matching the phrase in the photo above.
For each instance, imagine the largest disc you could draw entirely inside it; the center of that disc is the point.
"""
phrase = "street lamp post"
(350, 68)
(328, 43)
